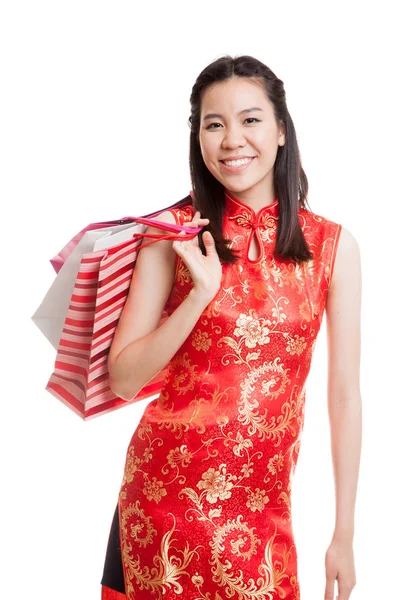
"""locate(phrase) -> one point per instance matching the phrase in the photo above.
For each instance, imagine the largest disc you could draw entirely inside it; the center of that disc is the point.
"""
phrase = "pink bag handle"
(190, 231)
(59, 259)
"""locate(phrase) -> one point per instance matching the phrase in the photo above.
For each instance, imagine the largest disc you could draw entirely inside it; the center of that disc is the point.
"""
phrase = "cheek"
(206, 144)
(267, 150)
(263, 140)
(209, 150)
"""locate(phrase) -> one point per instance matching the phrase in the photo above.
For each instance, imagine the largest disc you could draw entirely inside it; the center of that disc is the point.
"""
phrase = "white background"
(94, 109)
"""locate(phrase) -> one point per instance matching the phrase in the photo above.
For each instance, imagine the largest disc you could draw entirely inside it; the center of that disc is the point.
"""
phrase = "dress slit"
(113, 574)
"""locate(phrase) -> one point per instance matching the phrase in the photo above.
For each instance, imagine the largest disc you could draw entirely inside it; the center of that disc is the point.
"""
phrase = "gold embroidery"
(168, 567)
(217, 450)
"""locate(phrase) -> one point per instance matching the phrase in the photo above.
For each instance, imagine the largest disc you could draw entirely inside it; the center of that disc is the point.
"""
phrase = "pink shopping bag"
(80, 376)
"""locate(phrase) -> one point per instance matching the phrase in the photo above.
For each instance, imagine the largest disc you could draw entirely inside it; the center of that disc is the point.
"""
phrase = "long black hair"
(290, 181)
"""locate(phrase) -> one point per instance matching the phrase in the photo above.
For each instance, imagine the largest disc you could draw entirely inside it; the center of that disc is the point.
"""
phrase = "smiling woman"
(204, 508)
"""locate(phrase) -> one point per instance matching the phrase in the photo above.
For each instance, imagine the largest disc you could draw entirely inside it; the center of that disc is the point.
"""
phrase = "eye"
(248, 119)
(253, 119)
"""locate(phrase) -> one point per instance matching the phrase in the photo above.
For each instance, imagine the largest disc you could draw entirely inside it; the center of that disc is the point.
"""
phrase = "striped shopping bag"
(59, 259)
(80, 375)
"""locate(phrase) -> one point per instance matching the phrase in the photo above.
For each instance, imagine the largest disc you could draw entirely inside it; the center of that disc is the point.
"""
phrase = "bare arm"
(140, 349)
(344, 397)
(345, 410)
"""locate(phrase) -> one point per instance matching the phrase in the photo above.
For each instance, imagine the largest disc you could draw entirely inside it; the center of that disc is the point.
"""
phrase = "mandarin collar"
(243, 214)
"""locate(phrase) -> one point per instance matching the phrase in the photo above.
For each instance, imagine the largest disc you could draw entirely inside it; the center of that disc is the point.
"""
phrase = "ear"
(282, 134)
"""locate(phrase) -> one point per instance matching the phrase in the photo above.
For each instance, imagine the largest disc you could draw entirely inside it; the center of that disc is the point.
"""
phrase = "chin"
(240, 186)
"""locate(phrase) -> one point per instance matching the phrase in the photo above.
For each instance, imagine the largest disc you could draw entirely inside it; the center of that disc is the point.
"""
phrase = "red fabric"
(205, 501)
(109, 594)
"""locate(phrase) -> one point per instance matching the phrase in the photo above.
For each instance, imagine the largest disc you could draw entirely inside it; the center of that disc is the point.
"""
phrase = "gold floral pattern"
(257, 499)
(201, 340)
(205, 499)
(252, 330)
(154, 489)
(216, 484)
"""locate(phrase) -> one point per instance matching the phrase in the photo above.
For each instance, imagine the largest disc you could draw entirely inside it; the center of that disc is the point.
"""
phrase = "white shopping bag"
(51, 313)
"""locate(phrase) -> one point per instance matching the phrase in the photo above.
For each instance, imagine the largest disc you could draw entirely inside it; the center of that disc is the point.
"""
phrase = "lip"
(236, 157)
(237, 169)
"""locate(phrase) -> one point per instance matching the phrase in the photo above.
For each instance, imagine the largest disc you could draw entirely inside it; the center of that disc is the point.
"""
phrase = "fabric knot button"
(245, 220)
(255, 224)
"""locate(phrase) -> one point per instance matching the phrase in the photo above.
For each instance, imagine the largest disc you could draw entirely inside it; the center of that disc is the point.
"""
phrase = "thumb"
(209, 242)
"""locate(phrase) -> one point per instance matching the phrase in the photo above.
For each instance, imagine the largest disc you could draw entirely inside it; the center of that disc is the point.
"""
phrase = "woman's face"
(254, 134)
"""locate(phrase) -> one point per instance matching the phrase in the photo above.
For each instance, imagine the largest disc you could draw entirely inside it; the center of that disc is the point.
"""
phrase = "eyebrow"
(218, 116)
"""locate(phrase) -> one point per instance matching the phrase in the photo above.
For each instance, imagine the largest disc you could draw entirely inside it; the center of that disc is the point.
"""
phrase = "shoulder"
(176, 216)
(348, 260)
(346, 242)
(338, 247)
(314, 224)
(322, 236)
(183, 214)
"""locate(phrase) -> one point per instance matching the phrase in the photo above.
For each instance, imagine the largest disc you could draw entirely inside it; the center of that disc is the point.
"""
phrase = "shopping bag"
(50, 315)
(80, 375)
(59, 259)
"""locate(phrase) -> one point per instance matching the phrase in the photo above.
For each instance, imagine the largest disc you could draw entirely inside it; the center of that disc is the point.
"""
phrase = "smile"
(237, 165)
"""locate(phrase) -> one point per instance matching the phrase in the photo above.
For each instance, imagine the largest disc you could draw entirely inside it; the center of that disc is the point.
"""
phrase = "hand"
(339, 564)
(206, 271)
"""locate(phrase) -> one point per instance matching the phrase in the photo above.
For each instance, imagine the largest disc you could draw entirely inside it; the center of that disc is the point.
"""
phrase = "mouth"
(235, 166)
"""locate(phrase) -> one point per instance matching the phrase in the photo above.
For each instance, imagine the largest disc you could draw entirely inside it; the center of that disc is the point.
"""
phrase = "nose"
(233, 138)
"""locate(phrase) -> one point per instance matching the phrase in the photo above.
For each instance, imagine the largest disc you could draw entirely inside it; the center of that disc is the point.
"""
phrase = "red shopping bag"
(80, 375)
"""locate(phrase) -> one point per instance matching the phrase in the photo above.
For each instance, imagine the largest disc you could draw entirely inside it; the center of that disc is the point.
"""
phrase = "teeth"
(237, 163)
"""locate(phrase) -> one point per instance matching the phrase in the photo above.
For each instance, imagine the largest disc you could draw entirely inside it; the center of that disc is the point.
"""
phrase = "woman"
(204, 509)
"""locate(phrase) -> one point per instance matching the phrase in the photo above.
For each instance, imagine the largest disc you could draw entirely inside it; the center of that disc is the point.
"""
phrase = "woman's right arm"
(140, 349)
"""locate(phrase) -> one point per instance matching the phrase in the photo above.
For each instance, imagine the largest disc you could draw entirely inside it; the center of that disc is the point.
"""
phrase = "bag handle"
(190, 232)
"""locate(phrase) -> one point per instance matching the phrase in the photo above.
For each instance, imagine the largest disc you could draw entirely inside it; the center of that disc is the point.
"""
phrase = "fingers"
(198, 218)
(329, 589)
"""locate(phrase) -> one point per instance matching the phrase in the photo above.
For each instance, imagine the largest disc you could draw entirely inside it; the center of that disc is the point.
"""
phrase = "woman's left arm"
(343, 315)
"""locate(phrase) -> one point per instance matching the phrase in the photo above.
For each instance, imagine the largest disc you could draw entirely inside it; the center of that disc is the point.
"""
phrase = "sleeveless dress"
(204, 508)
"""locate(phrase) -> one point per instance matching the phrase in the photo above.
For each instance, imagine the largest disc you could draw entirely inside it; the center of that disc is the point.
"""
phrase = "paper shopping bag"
(50, 314)
(80, 376)
(59, 259)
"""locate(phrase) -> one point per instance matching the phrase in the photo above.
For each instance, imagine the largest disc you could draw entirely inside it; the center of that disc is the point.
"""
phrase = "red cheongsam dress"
(205, 502)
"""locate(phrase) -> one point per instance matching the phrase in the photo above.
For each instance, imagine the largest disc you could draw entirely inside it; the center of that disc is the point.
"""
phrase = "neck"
(253, 200)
